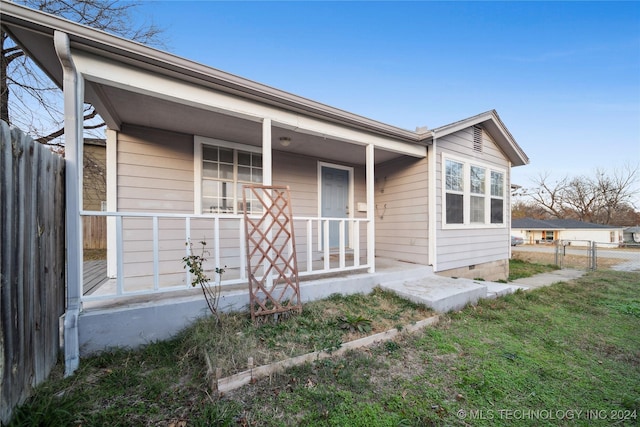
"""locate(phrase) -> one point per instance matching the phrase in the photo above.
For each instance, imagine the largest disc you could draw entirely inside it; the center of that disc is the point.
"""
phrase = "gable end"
(477, 139)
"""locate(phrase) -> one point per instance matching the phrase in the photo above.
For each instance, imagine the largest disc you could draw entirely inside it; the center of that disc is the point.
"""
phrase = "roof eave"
(496, 127)
(85, 38)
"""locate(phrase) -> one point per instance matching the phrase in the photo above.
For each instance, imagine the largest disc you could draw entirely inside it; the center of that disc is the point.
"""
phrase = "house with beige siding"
(184, 139)
(570, 231)
(94, 193)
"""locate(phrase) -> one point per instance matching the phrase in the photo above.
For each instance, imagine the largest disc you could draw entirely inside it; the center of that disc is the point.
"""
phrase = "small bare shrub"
(211, 291)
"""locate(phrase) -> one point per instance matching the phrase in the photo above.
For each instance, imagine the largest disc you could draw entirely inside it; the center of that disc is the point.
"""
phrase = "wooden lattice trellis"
(274, 286)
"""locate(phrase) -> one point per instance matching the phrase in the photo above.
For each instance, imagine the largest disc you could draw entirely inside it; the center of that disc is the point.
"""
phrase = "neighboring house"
(94, 193)
(631, 235)
(183, 138)
(94, 196)
(579, 233)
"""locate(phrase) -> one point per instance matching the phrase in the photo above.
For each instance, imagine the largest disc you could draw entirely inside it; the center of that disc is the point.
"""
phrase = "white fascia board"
(462, 124)
(107, 45)
(111, 73)
(498, 130)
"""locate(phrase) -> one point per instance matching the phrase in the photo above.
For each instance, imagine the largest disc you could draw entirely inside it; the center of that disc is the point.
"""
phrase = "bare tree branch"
(549, 195)
(602, 198)
(27, 98)
(58, 133)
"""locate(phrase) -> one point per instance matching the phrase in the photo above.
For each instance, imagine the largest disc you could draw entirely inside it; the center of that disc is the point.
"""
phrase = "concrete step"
(546, 279)
(495, 290)
(445, 294)
(442, 294)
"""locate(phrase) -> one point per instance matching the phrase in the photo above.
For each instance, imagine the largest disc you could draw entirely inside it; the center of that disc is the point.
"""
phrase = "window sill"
(473, 226)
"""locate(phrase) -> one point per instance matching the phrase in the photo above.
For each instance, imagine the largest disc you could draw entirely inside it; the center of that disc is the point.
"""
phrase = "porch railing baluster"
(187, 232)
(320, 227)
(325, 244)
(243, 250)
(216, 244)
(356, 244)
(341, 244)
(156, 257)
(309, 245)
(119, 255)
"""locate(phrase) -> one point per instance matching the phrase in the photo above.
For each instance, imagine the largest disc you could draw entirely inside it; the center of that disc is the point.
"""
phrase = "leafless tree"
(615, 191)
(527, 209)
(28, 99)
(550, 195)
(580, 198)
(95, 180)
(603, 197)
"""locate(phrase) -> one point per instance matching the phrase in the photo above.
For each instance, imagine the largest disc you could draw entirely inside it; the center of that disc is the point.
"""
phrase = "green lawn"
(568, 354)
(519, 269)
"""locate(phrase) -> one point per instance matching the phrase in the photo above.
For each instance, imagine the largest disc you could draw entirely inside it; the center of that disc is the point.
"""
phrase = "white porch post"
(267, 177)
(432, 218)
(73, 89)
(371, 238)
(112, 200)
(266, 152)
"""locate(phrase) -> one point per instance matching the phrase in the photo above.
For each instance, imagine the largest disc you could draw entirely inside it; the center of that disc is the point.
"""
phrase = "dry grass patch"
(570, 261)
(322, 325)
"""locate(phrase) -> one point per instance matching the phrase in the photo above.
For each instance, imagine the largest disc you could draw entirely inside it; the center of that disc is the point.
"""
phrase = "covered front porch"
(171, 122)
(175, 173)
(178, 156)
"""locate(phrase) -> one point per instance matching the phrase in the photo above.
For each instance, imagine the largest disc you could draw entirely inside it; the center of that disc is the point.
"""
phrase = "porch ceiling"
(145, 110)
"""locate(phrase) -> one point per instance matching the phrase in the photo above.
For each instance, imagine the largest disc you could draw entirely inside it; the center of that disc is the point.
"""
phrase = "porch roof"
(125, 102)
(34, 30)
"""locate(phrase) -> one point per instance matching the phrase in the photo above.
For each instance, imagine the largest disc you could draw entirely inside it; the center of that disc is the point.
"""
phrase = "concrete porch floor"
(130, 322)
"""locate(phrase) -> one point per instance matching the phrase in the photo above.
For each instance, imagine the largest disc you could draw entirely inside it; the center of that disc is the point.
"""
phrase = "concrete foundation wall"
(132, 325)
(490, 271)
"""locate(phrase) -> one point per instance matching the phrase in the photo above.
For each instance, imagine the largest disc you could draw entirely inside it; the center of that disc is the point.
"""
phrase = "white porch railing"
(147, 257)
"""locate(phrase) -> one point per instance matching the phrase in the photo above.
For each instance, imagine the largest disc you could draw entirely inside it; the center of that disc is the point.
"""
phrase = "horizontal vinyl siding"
(155, 174)
(155, 171)
(600, 236)
(477, 246)
(401, 215)
(594, 235)
(470, 246)
(300, 173)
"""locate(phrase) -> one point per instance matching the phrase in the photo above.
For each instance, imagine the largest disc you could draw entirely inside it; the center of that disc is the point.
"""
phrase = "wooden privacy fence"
(32, 238)
(94, 232)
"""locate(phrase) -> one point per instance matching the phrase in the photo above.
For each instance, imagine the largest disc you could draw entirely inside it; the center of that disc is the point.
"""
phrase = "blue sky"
(564, 76)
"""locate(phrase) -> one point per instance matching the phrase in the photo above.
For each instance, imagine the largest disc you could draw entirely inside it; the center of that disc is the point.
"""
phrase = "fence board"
(33, 263)
(94, 232)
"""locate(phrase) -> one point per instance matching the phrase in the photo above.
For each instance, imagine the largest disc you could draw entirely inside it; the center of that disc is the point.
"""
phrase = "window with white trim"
(477, 189)
(454, 177)
(497, 197)
(224, 169)
(474, 194)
